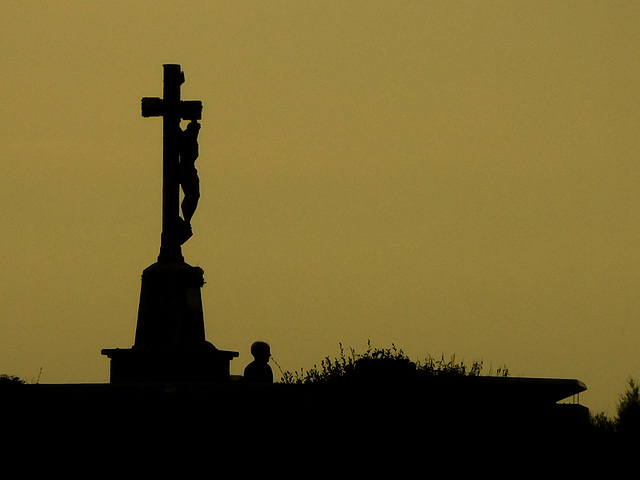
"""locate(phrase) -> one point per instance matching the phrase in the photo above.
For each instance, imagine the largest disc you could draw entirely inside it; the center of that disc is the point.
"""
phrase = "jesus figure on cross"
(188, 176)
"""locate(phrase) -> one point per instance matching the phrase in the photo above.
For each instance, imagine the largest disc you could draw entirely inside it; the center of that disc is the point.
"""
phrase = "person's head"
(261, 351)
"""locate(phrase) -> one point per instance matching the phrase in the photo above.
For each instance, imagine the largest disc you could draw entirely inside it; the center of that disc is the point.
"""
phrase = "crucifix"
(170, 344)
(179, 152)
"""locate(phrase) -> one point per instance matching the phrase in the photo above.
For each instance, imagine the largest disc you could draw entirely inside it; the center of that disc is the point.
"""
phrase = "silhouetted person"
(259, 370)
(189, 175)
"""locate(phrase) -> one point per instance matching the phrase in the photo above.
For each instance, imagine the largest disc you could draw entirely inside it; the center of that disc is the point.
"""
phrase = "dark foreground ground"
(462, 423)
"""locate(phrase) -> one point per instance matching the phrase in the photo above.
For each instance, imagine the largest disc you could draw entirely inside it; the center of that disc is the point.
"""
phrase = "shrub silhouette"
(10, 380)
(627, 421)
(380, 365)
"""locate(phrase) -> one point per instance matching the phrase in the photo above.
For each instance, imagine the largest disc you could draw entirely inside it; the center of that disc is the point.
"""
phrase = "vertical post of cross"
(170, 249)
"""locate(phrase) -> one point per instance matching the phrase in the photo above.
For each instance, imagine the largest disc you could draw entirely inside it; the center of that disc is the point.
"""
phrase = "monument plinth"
(170, 343)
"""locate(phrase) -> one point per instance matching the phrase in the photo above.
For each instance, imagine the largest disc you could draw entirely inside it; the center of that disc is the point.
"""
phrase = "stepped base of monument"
(171, 364)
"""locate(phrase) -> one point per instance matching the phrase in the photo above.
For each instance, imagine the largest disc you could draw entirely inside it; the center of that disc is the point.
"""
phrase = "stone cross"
(170, 343)
(176, 144)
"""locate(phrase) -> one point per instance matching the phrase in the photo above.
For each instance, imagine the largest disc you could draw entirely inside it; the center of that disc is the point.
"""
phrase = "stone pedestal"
(170, 310)
(171, 364)
(170, 344)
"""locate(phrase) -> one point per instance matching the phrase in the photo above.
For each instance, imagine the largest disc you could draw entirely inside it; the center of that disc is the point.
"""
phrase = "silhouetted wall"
(307, 410)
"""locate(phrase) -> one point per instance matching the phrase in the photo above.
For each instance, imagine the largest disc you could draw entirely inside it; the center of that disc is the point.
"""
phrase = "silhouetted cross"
(172, 110)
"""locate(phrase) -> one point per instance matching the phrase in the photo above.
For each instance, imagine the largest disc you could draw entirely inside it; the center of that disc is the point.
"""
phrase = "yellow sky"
(451, 177)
